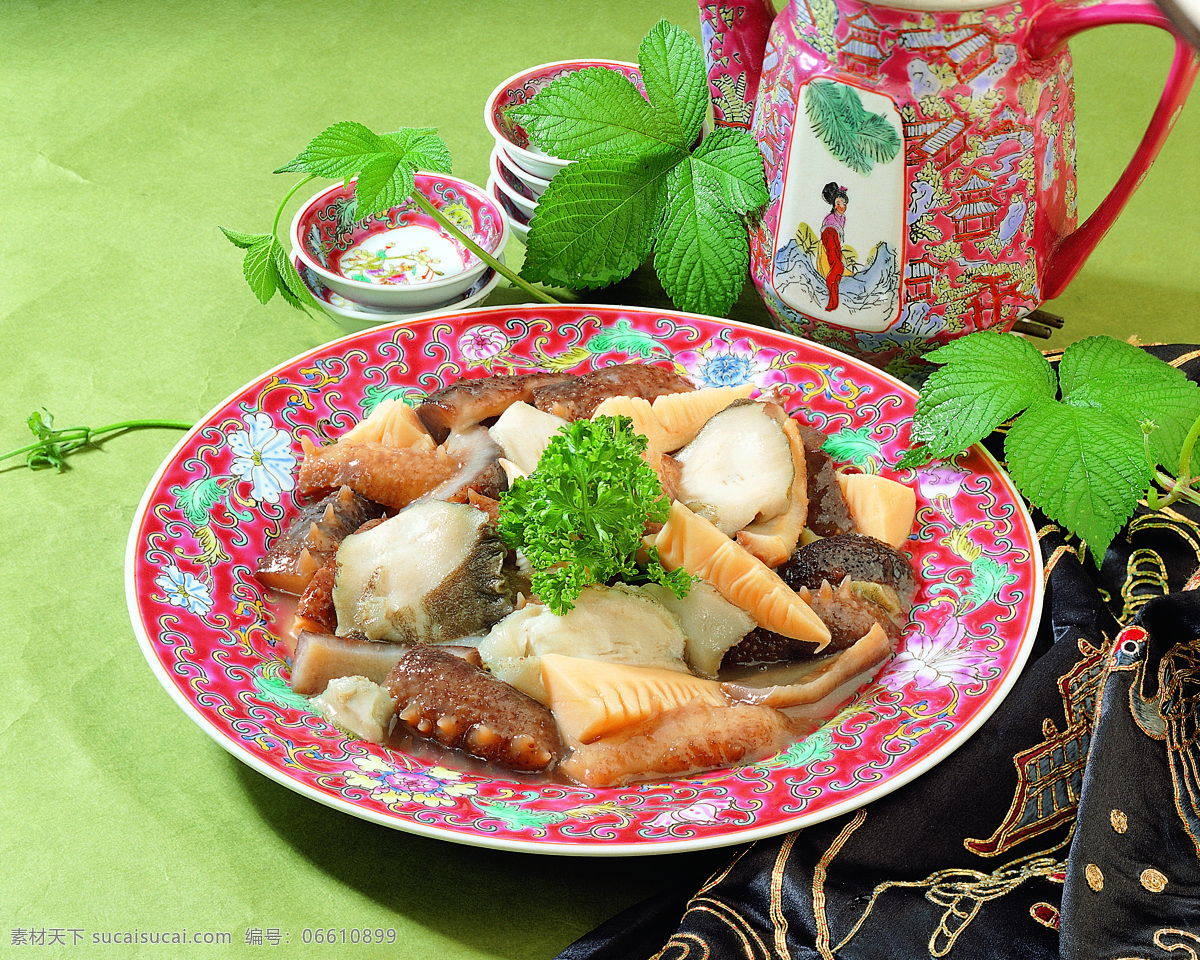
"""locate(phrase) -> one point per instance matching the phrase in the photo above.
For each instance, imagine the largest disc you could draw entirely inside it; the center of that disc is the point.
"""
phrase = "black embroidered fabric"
(1067, 827)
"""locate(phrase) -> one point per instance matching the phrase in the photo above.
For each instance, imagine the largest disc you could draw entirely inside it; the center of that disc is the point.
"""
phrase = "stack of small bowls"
(519, 171)
(399, 264)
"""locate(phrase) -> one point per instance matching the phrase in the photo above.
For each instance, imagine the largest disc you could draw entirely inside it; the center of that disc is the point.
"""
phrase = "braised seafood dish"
(611, 576)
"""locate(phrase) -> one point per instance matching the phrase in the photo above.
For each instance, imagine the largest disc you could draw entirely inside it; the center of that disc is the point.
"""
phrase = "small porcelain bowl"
(526, 184)
(354, 317)
(401, 259)
(521, 88)
(517, 221)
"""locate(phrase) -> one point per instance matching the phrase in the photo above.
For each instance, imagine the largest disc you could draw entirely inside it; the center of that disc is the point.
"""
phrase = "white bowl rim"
(519, 201)
(493, 186)
(579, 63)
(500, 156)
(472, 271)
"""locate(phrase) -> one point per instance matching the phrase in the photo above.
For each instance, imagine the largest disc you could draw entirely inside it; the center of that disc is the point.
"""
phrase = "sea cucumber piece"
(577, 398)
(294, 558)
(828, 513)
(448, 700)
(471, 400)
(697, 736)
(392, 476)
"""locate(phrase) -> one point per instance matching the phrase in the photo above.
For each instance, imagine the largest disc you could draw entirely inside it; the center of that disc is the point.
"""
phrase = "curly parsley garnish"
(579, 517)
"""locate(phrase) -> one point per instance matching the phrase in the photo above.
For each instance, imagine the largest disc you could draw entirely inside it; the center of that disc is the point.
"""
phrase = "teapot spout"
(734, 37)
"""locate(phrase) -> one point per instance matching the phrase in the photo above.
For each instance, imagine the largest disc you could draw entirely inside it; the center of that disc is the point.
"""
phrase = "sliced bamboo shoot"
(593, 698)
(881, 508)
(644, 420)
(689, 541)
(681, 415)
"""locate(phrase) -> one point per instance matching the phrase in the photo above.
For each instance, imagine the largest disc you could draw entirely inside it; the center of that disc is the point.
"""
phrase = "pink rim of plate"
(521, 88)
(323, 224)
(205, 625)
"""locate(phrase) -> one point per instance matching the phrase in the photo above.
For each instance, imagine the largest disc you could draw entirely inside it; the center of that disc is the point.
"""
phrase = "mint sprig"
(638, 185)
(1086, 445)
(383, 167)
(52, 445)
(384, 164)
(267, 268)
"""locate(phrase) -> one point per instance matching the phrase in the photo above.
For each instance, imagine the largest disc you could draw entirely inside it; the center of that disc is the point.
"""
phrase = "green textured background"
(131, 130)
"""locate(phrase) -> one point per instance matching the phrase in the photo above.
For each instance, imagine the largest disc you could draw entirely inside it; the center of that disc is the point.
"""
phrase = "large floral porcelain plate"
(208, 628)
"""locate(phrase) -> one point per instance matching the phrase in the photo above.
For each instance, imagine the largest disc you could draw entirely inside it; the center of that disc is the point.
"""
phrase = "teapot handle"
(1048, 33)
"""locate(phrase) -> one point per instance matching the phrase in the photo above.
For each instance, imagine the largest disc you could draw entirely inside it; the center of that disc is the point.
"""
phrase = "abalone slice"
(620, 624)
(433, 573)
(739, 467)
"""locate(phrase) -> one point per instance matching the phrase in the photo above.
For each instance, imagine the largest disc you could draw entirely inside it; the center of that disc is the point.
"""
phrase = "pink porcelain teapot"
(920, 159)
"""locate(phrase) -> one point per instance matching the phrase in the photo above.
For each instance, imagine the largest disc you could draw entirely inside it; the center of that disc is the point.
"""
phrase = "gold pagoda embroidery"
(1050, 774)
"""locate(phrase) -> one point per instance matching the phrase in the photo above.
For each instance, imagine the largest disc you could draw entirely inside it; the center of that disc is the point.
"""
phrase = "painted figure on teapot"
(920, 159)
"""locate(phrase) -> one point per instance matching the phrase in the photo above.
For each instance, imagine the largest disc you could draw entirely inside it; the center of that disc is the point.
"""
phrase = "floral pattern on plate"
(207, 627)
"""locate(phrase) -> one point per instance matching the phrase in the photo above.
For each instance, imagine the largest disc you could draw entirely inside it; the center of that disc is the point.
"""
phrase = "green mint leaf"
(1130, 383)
(596, 221)
(594, 112)
(986, 379)
(915, 457)
(729, 161)
(339, 151)
(702, 253)
(384, 181)
(422, 148)
(1081, 465)
(241, 240)
(383, 164)
(287, 280)
(676, 80)
(268, 268)
(259, 267)
(599, 220)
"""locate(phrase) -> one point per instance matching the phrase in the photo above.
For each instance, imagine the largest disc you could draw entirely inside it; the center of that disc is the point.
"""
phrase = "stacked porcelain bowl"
(519, 172)
(401, 263)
